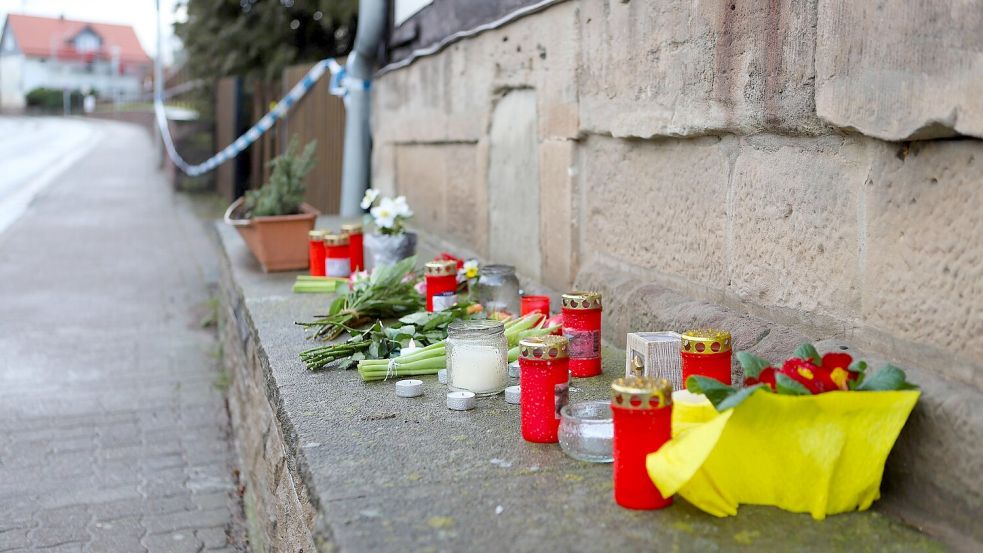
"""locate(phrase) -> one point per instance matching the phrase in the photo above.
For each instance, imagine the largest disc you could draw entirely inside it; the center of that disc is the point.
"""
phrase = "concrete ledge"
(945, 429)
(333, 464)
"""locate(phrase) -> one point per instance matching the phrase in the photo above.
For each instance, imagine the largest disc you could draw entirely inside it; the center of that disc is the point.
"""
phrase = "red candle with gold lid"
(337, 256)
(642, 412)
(441, 277)
(582, 327)
(706, 352)
(545, 382)
(355, 245)
(315, 252)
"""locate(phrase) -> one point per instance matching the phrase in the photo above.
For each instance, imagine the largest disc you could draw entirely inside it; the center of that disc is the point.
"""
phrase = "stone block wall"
(814, 163)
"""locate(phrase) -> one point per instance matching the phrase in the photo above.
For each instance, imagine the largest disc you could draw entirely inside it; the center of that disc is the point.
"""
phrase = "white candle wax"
(478, 369)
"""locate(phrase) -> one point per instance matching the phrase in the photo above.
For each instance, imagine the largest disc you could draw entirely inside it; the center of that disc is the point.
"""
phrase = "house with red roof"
(54, 52)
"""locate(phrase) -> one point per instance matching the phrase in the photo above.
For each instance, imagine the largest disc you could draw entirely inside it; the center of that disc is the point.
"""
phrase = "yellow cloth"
(821, 454)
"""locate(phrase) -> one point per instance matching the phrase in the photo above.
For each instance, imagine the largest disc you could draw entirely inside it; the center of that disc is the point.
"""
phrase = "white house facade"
(41, 52)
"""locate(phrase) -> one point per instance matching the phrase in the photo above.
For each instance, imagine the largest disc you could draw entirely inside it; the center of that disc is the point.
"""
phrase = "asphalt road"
(33, 152)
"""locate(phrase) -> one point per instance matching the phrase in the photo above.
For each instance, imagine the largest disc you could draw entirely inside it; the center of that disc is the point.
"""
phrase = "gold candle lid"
(705, 341)
(641, 392)
(335, 239)
(582, 300)
(544, 348)
(443, 267)
(351, 228)
(316, 233)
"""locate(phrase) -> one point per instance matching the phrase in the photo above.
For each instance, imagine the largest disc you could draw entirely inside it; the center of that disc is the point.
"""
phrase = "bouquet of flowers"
(810, 436)
(388, 214)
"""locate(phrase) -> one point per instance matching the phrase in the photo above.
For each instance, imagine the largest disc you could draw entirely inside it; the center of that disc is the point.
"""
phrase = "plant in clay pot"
(390, 242)
(274, 220)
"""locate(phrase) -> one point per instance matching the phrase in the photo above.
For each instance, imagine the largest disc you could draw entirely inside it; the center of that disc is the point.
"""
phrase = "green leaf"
(337, 305)
(416, 318)
(888, 378)
(808, 351)
(739, 397)
(788, 386)
(358, 356)
(858, 366)
(715, 390)
(374, 350)
(752, 364)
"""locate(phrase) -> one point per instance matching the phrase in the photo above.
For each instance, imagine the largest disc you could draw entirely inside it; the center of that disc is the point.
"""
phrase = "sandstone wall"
(815, 163)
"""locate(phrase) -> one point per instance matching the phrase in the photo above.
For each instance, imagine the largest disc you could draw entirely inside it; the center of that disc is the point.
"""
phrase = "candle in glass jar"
(315, 252)
(582, 327)
(545, 386)
(337, 257)
(706, 352)
(642, 410)
(477, 357)
(528, 304)
(356, 249)
(441, 277)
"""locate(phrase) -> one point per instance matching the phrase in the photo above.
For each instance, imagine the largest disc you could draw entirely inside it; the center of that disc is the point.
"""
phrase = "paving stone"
(117, 535)
(16, 539)
(213, 538)
(173, 542)
(157, 524)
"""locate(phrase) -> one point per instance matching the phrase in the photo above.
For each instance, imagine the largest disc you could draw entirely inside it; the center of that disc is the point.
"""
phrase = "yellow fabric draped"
(821, 454)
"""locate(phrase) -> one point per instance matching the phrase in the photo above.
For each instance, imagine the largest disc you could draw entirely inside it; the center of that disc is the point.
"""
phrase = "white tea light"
(409, 388)
(460, 401)
(514, 369)
(442, 376)
(512, 394)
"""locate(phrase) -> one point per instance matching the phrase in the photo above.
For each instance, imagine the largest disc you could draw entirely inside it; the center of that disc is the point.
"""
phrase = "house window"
(8, 43)
(86, 41)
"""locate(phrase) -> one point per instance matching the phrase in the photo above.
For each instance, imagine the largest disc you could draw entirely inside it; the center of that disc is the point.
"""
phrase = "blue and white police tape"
(339, 85)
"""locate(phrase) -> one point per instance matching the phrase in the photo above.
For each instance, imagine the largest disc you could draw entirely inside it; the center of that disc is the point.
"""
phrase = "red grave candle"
(706, 352)
(582, 327)
(355, 245)
(315, 252)
(528, 304)
(642, 409)
(441, 277)
(545, 379)
(337, 256)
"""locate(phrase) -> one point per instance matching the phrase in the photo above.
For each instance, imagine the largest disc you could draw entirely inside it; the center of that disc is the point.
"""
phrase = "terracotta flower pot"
(279, 242)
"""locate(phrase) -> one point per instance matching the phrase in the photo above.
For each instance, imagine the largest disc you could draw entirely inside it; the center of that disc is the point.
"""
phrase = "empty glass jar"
(587, 431)
(498, 289)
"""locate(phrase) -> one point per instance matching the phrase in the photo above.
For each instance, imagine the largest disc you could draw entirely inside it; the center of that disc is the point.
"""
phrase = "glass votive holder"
(587, 431)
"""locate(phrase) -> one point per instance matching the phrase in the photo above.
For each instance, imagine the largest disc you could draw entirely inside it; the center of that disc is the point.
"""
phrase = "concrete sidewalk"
(113, 433)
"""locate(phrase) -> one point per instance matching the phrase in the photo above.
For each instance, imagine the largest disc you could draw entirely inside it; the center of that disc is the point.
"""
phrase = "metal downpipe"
(356, 166)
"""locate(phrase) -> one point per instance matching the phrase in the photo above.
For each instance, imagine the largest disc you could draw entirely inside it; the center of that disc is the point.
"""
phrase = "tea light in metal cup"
(442, 376)
(512, 395)
(460, 401)
(409, 388)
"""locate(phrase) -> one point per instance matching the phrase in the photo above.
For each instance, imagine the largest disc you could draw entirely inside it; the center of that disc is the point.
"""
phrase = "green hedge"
(50, 99)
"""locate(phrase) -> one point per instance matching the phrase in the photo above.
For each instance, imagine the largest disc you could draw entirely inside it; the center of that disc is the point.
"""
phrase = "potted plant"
(390, 242)
(274, 220)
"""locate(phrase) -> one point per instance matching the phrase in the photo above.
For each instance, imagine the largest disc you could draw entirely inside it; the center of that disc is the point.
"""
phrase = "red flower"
(766, 376)
(837, 366)
(805, 372)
